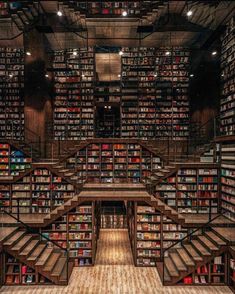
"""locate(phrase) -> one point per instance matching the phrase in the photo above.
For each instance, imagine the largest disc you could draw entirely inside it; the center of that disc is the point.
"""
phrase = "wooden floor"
(114, 273)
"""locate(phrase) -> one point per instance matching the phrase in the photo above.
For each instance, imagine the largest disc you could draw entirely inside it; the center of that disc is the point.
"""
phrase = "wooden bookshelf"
(151, 232)
(227, 103)
(228, 179)
(77, 231)
(11, 93)
(114, 163)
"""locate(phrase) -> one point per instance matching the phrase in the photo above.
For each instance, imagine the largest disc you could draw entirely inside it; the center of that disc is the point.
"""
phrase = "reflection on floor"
(114, 273)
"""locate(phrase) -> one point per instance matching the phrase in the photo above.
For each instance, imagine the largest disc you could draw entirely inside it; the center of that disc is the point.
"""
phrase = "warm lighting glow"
(124, 13)
(75, 53)
(189, 13)
(120, 53)
(214, 53)
(192, 75)
(28, 53)
(59, 13)
(47, 76)
(168, 53)
(119, 75)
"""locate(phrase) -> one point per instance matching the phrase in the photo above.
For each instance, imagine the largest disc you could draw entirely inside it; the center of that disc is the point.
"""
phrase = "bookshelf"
(114, 163)
(17, 273)
(76, 230)
(113, 217)
(154, 232)
(39, 191)
(231, 272)
(212, 273)
(227, 104)
(74, 93)
(11, 93)
(191, 190)
(228, 179)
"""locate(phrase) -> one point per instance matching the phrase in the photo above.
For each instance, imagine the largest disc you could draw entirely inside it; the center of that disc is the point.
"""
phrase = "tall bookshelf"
(77, 231)
(228, 179)
(227, 104)
(154, 233)
(114, 163)
(74, 93)
(11, 93)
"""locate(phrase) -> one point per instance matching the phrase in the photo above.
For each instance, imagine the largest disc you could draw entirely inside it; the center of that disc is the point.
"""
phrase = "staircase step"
(29, 248)
(177, 261)
(69, 174)
(44, 257)
(202, 249)
(64, 171)
(51, 262)
(58, 166)
(22, 243)
(37, 252)
(216, 239)
(59, 266)
(192, 252)
(11, 241)
(63, 277)
(167, 278)
(172, 270)
(208, 243)
(185, 257)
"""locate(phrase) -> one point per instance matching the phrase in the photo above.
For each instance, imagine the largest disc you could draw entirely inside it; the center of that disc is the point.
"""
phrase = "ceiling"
(168, 25)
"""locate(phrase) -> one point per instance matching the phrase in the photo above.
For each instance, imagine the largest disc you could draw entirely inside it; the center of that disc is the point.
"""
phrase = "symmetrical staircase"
(180, 262)
(48, 260)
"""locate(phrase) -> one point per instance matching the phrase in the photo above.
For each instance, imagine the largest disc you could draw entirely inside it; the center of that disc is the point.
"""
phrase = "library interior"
(117, 147)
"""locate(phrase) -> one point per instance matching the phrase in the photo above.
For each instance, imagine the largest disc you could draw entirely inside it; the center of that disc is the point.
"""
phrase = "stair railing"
(42, 237)
(187, 237)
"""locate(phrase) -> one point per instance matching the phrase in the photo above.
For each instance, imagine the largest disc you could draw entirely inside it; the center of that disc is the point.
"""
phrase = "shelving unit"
(227, 104)
(228, 179)
(11, 93)
(154, 232)
(76, 230)
(114, 163)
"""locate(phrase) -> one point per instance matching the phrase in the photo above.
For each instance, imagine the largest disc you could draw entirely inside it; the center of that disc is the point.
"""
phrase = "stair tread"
(202, 249)
(215, 238)
(63, 276)
(14, 238)
(208, 243)
(29, 247)
(193, 252)
(167, 278)
(43, 258)
(177, 261)
(22, 242)
(36, 253)
(59, 266)
(185, 257)
(173, 272)
(52, 260)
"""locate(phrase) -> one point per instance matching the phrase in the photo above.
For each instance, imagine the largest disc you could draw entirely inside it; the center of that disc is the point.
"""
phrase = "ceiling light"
(155, 75)
(192, 75)
(47, 76)
(214, 53)
(124, 13)
(189, 13)
(120, 52)
(222, 75)
(83, 76)
(28, 53)
(75, 53)
(11, 75)
(168, 53)
(59, 13)
(119, 75)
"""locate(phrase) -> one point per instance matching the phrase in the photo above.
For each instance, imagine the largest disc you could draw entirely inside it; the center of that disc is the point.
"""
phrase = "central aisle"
(114, 273)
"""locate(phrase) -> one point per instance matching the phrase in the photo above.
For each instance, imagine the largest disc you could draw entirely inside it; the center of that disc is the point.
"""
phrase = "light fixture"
(189, 13)
(83, 75)
(47, 76)
(214, 53)
(11, 75)
(28, 53)
(222, 75)
(121, 52)
(59, 13)
(167, 53)
(75, 53)
(191, 75)
(155, 75)
(124, 13)
(119, 75)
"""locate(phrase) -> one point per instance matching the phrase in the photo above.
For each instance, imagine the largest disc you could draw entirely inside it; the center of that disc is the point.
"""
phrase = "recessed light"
(47, 76)
(124, 13)
(214, 53)
(59, 13)
(83, 76)
(191, 75)
(28, 53)
(168, 53)
(75, 53)
(120, 52)
(189, 13)
(11, 75)
(155, 75)
(119, 75)
(222, 75)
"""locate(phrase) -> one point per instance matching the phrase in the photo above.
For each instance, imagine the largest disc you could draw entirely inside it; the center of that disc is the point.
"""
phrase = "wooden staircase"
(49, 261)
(181, 262)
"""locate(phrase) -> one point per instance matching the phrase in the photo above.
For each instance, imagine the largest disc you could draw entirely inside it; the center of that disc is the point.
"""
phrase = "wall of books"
(11, 93)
